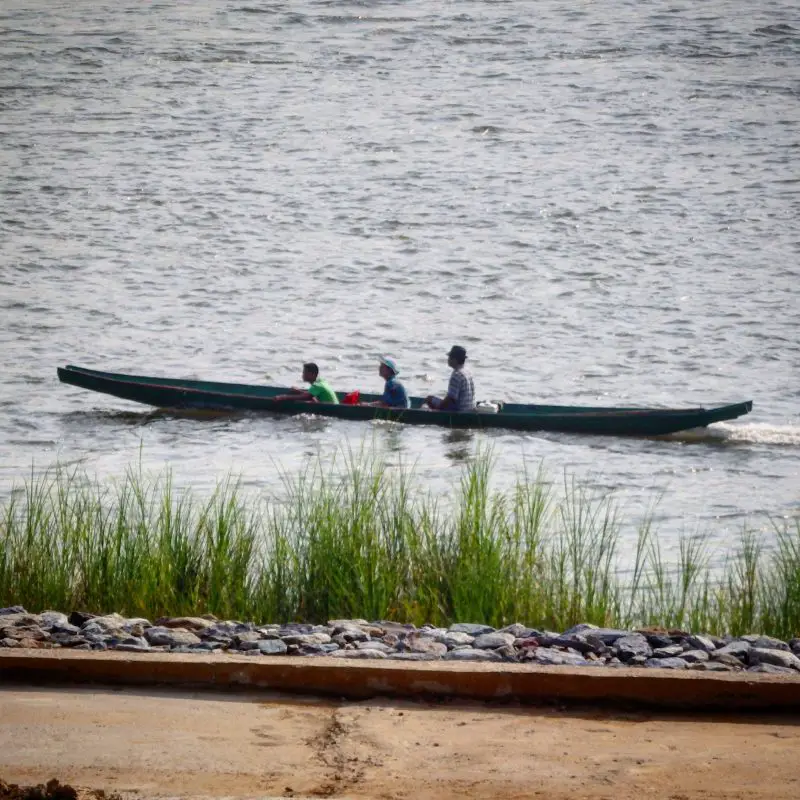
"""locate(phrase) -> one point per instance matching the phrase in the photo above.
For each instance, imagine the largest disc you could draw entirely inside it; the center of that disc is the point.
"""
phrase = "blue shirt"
(394, 394)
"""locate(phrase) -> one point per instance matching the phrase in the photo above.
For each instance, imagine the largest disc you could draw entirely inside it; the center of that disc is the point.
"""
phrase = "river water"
(600, 201)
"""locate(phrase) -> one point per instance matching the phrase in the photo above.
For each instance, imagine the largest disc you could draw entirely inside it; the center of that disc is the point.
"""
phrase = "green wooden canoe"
(177, 394)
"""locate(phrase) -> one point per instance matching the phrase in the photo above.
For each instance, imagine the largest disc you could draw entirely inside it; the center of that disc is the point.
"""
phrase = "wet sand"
(158, 743)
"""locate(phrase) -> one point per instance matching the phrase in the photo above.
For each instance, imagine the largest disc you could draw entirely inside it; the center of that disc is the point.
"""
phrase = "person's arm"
(300, 395)
(451, 398)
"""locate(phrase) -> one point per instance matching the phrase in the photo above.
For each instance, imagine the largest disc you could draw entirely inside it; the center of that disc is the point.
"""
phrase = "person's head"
(457, 356)
(310, 372)
(387, 368)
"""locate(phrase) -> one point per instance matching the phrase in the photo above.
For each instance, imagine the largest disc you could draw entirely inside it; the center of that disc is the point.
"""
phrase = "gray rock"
(395, 627)
(524, 644)
(94, 638)
(66, 629)
(9, 642)
(27, 632)
(224, 641)
(582, 642)
(546, 638)
(517, 630)
(695, 656)
(132, 648)
(351, 635)
(507, 653)
(581, 627)
(658, 641)
(544, 655)
(772, 669)
(271, 647)
(52, 619)
(666, 663)
(738, 649)
(207, 647)
(456, 639)
(432, 632)
(338, 625)
(419, 644)
(363, 654)
(778, 658)
(794, 644)
(413, 656)
(610, 635)
(90, 629)
(309, 649)
(637, 661)
(172, 637)
(668, 652)
(468, 654)
(246, 640)
(116, 622)
(374, 644)
(701, 643)
(21, 620)
(12, 610)
(294, 628)
(711, 666)
(67, 640)
(768, 643)
(226, 630)
(139, 641)
(473, 629)
(194, 624)
(308, 638)
(491, 641)
(748, 637)
(626, 647)
(728, 659)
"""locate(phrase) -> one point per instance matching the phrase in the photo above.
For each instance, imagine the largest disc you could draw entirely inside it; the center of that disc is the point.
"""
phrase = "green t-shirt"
(322, 392)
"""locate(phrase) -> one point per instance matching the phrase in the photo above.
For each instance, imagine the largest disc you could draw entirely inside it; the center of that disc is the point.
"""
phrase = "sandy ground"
(166, 743)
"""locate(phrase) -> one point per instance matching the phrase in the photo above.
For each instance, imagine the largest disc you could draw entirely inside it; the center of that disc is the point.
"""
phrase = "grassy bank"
(361, 541)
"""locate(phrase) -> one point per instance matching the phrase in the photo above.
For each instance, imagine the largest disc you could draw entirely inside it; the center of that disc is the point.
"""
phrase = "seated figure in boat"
(394, 393)
(461, 389)
(318, 390)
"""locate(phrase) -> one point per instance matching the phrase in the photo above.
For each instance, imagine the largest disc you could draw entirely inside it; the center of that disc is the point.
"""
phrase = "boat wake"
(753, 433)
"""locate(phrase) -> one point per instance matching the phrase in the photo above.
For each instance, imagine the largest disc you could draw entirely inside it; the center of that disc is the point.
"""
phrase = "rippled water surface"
(599, 200)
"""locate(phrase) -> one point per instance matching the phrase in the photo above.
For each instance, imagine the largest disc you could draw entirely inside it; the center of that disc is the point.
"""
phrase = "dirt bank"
(166, 743)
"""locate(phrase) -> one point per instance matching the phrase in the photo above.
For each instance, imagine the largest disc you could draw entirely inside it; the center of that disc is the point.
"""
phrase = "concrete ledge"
(654, 688)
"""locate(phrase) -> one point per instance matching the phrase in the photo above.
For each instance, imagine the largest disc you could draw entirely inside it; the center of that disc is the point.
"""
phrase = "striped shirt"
(462, 390)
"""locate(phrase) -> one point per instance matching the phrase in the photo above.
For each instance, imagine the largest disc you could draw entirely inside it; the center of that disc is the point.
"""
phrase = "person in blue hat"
(394, 393)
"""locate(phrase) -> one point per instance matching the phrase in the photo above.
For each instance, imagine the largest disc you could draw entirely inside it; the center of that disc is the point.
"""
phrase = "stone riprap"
(582, 645)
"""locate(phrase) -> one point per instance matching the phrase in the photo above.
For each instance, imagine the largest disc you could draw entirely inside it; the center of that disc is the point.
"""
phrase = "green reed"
(356, 539)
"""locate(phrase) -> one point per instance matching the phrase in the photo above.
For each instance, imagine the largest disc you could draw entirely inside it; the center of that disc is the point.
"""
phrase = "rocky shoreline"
(582, 645)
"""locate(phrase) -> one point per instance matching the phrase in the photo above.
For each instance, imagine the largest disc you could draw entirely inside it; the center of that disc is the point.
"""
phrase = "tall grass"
(359, 540)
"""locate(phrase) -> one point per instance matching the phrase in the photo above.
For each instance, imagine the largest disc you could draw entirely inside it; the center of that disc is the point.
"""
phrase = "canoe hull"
(213, 396)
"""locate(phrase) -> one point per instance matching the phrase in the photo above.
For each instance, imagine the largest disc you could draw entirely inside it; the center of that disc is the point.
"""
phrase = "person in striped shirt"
(461, 389)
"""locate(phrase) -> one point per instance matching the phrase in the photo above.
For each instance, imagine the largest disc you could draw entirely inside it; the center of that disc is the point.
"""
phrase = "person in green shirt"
(317, 392)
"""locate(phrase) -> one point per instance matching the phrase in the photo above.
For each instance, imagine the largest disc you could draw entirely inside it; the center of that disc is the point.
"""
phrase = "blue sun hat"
(391, 363)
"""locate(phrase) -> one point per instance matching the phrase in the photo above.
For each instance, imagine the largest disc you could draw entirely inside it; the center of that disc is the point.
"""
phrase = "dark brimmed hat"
(458, 353)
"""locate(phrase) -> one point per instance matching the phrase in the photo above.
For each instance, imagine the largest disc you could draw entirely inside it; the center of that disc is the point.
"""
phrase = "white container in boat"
(487, 408)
